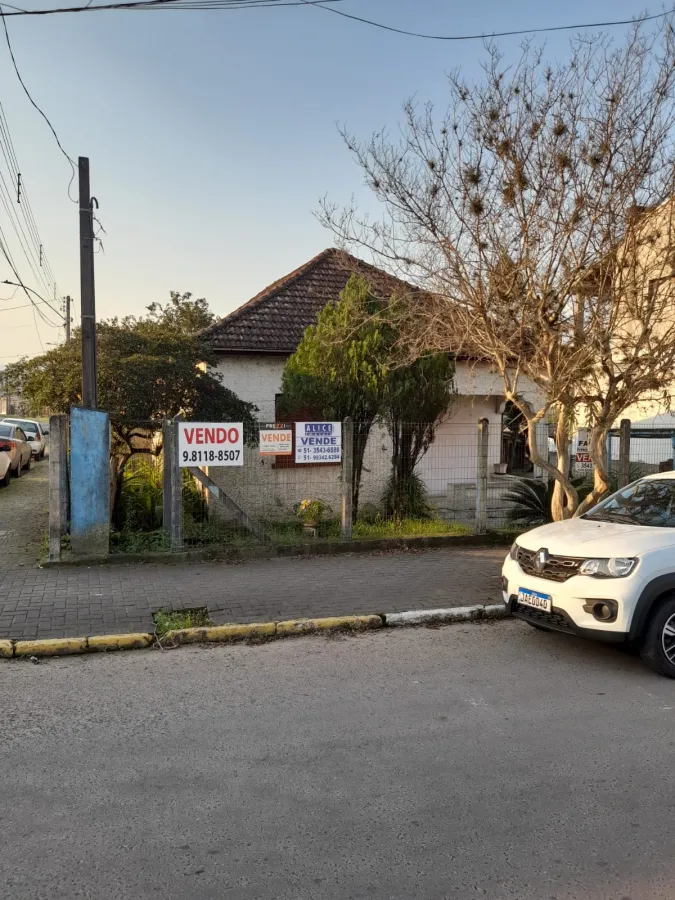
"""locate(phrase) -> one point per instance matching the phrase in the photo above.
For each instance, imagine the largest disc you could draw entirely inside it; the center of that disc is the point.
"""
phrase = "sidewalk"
(72, 601)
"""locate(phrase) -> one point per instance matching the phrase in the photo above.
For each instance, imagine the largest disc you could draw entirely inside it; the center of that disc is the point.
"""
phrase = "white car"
(607, 575)
(5, 468)
(13, 442)
(35, 433)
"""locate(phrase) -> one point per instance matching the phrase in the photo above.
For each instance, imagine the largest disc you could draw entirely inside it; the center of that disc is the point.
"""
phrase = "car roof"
(658, 475)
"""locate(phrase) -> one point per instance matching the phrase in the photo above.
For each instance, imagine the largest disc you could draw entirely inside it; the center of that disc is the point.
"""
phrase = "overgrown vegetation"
(170, 620)
(149, 367)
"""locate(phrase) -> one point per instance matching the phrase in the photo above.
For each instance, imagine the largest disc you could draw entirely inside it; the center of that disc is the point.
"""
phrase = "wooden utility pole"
(68, 302)
(87, 299)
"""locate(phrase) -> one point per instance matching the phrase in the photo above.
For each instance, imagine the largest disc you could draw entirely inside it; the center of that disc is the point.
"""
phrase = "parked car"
(5, 469)
(607, 575)
(13, 441)
(36, 434)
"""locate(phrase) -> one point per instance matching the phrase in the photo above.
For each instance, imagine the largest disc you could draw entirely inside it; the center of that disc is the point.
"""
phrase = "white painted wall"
(254, 377)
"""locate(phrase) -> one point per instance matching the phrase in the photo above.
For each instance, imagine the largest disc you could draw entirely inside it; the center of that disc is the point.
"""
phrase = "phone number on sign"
(210, 455)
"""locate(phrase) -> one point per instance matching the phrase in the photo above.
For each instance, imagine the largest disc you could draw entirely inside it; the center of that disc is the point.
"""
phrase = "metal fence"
(460, 483)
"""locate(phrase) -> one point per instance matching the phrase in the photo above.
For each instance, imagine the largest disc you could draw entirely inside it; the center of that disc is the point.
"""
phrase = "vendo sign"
(211, 443)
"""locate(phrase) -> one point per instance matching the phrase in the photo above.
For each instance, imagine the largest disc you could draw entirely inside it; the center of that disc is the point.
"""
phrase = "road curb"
(231, 633)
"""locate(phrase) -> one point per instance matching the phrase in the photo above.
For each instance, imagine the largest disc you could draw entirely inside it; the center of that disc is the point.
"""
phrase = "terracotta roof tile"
(275, 319)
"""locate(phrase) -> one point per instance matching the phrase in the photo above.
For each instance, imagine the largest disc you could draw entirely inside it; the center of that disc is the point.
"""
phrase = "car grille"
(551, 620)
(558, 568)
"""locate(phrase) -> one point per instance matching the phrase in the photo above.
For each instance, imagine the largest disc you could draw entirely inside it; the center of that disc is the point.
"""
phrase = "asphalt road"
(481, 761)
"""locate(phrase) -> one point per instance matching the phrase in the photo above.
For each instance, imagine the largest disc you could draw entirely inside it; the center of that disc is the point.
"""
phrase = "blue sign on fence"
(318, 442)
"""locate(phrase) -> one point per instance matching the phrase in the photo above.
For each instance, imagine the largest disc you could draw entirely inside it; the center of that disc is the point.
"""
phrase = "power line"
(163, 5)
(493, 34)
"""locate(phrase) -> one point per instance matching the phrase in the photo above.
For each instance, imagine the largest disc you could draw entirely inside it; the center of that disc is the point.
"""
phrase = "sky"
(212, 135)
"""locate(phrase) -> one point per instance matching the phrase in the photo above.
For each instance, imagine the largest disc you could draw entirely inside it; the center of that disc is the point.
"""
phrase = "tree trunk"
(597, 449)
(562, 505)
(561, 477)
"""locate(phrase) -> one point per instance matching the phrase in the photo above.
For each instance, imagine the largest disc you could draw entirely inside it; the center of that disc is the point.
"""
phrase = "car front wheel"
(658, 643)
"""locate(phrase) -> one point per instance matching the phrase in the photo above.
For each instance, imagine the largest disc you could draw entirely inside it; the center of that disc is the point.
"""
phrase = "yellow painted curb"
(133, 641)
(238, 632)
(219, 633)
(50, 647)
(305, 626)
(6, 649)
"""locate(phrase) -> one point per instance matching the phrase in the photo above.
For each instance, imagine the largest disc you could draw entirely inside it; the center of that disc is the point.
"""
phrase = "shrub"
(407, 499)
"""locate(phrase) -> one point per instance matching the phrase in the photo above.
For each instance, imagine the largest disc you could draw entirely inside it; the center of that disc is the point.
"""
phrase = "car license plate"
(539, 601)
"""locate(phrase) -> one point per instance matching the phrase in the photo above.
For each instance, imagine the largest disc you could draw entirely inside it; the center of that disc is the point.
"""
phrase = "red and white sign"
(211, 443)
(582, 459)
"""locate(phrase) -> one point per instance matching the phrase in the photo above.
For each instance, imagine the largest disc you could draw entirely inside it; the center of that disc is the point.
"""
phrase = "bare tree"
(513, 212)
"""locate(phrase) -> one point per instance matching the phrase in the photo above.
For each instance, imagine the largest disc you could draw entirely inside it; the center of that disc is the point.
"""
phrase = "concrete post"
(58, 484)
(176, 479)
(482, 477)
(347, 477)
(624, 453)
(167, 451)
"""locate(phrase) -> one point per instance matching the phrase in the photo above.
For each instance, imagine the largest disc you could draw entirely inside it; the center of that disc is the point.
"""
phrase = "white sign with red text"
(211, 443)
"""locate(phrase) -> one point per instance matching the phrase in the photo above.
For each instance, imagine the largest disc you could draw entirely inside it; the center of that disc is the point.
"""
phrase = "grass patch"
(390, 528)
(166, 620)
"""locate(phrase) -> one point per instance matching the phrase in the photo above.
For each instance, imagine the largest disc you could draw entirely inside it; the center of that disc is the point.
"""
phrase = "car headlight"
(615, 567)
(513, 552)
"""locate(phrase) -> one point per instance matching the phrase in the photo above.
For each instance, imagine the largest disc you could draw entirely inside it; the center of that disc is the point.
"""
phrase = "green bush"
(407, 499)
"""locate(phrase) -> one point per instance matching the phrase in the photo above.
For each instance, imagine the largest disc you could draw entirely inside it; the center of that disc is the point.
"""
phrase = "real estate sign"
(582, 460)
(318, 442)
(211, 443)
(276, 440)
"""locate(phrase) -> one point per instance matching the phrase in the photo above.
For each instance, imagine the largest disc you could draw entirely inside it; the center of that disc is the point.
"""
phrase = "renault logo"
(541, 559)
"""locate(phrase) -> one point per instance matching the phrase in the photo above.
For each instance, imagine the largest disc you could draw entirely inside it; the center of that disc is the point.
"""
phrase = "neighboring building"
(253, 344)
(9, 402)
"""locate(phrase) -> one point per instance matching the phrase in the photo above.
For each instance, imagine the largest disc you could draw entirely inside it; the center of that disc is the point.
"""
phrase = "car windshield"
(648, 502)
(5, 430)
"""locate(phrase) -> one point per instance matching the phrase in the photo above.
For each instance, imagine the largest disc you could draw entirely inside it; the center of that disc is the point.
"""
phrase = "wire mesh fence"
(409, 480)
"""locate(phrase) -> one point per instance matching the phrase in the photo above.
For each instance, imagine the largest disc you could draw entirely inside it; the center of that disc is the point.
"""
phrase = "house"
(252, 345)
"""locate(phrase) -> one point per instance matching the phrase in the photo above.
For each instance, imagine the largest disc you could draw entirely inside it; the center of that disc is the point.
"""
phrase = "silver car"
(35, 433)
(14, 442)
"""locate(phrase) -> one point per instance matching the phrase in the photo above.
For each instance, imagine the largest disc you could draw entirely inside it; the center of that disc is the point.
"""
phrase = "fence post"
(167, 455)
(347, 477)
(624, 453)
(176, 498)
(482, 477)
(58, 484)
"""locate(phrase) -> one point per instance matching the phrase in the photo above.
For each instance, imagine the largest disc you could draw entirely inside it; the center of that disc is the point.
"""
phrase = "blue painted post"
(89, 482)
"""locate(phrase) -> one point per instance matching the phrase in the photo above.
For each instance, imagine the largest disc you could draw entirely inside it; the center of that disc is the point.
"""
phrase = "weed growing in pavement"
(168, 620)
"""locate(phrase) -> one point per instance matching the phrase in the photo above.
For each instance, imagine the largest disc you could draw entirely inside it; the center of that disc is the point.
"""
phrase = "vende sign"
(211, 443)
(318, 442)
(276, 440)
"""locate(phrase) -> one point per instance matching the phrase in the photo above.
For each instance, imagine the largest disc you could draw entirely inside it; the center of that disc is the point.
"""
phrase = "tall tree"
(346, 366)
(338, 368)
(539, 165)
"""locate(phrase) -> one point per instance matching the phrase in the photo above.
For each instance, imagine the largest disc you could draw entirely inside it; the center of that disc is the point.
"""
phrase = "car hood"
(584, 537)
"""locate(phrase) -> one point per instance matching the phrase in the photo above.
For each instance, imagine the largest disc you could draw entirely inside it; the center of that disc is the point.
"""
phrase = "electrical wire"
(161, 4)
(493, 34)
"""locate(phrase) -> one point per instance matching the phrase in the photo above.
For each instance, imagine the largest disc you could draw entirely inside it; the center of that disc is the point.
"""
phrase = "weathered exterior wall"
(448, 468)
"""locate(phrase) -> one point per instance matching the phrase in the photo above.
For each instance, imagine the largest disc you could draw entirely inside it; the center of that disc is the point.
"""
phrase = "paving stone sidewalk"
(71, 601)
